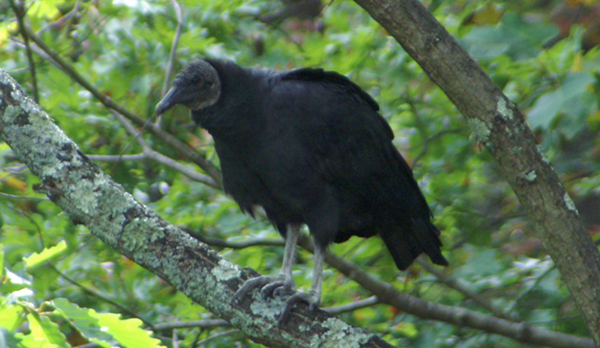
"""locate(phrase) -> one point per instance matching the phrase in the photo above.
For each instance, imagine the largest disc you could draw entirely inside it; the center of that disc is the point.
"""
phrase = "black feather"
(309, 146)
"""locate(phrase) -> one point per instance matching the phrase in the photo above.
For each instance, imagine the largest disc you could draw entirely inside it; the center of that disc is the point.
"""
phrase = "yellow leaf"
(577, 63)
(14, 182)
(47, 255)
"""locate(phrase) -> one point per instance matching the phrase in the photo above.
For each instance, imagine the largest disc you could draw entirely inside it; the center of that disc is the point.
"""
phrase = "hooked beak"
(172, 98)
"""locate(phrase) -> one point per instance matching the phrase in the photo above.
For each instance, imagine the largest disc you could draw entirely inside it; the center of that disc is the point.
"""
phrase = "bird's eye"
(196, 80)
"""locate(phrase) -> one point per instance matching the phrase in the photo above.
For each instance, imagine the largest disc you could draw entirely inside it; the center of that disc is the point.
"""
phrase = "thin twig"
(100, 296)
(162, 159)
(19, 10)
(203, 324)
(350, 307)
(232, 245)
(456, 285)
(185, 150)
(219, 335)
(532, 287)
(172, 54)
(61, 21)
(108, 158)
(6, 195)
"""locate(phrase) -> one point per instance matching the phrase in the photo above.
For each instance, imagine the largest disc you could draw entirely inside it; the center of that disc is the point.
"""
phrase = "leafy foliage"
(82, 292)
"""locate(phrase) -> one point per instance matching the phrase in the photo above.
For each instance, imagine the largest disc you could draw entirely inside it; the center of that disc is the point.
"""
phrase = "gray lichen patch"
(531, 176)
(503, 109)
(543, 155)
(83, 194)
(267, 309)
(10, 113)
(140, 231)
(134, 234)
(481, 131)
(569, 203)
(225, 271)
(16, 95)
(339, 334)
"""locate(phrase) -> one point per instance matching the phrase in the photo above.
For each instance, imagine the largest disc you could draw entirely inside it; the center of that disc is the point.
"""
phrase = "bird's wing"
(336, 126)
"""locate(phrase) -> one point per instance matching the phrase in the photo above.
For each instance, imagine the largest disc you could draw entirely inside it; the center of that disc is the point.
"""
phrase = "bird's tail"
(406, 244)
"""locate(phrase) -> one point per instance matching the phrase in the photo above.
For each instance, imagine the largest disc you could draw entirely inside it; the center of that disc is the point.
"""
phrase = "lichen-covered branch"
(91, 198)
(189, 153)
(499, 125)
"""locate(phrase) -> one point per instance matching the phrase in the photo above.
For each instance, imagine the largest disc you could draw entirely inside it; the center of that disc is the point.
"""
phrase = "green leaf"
(85, 321)
(8, 339)
(513, 36)
(44, 8)
(46, 332)
(47, 255)
(571, 99)
(106, 329)
(128, 332)
(1, 262)
(11, 316)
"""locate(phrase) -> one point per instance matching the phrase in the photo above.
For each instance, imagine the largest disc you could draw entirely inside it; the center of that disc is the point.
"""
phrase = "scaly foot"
(279, 286)
(313, 299)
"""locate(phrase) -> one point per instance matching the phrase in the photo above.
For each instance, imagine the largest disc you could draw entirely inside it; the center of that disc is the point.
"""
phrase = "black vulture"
(309, 147)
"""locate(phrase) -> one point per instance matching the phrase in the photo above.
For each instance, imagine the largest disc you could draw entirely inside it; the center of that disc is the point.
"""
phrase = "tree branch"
(498, 124)
(19, 10)
(456, 285)
(171, 63)
(164, 160)
(91, 198)
(385, 293)
(185, 150)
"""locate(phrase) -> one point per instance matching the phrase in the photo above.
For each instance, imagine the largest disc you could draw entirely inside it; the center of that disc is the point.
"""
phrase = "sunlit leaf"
(47, 255)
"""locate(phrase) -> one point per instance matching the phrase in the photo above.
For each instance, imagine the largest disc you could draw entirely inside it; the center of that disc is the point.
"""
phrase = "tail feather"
(410, 241)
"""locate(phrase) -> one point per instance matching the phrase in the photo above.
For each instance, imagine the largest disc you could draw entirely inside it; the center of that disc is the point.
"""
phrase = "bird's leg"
(285, 280)
(313, 298)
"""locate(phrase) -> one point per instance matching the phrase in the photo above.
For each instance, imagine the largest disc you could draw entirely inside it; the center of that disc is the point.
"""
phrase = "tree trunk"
(499, 125)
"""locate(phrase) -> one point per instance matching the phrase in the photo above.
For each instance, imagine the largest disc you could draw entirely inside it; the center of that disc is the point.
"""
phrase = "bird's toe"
(280, 287)
(311, 298)
(251, 284)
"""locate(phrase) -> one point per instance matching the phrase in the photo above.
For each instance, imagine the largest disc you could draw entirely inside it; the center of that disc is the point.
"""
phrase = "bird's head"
(196, 87)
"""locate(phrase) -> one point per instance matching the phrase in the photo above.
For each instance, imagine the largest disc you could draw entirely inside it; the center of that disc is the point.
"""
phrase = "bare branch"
(456, 285)
(350, 307)
(457, 316)
(385, 293)
(162, 159)
(134, 230)
(498, 124)
(219, 335)
(170, 65)
(6, 195)
(186, 151)
(63, 20)
(100, 296)
(233, 245)
(113, 158)
(203, 324)
(19, 10)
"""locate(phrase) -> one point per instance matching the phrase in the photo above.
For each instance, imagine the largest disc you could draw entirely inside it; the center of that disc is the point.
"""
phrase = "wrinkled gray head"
(196, 87)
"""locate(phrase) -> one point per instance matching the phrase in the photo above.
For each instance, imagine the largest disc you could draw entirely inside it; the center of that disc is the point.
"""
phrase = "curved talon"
(269, 289)
(284, 290)
(275, 288)
(250, 285)
(312, 299)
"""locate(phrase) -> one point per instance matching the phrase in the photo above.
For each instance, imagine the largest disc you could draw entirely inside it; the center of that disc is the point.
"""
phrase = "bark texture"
(91, 198)
(499, 125)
